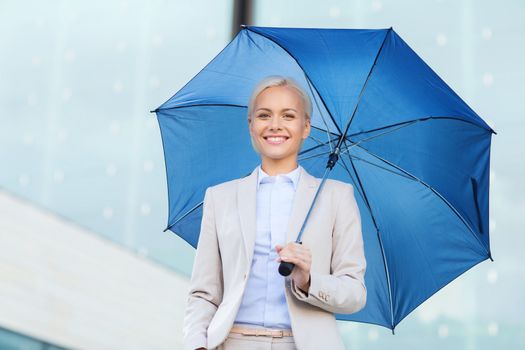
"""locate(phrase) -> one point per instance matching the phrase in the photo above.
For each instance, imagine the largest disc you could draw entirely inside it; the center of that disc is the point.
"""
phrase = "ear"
(307, 129)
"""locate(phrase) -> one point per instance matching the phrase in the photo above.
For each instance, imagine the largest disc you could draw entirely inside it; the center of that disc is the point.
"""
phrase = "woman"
(237, 298)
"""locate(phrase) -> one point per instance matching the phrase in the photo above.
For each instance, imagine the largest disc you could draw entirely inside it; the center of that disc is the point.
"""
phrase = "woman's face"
(278, 124)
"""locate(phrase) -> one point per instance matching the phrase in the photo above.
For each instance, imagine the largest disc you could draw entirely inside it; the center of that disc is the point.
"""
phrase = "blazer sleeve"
(343, 290)
(206, 284)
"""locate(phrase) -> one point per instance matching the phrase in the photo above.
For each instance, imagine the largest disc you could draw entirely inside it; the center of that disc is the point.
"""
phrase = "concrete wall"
(65, 285)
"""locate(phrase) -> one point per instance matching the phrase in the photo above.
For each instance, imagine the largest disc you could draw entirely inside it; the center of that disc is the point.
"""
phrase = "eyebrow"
(285, 109)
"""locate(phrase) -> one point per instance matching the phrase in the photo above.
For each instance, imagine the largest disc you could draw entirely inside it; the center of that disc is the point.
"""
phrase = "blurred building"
(61, 286)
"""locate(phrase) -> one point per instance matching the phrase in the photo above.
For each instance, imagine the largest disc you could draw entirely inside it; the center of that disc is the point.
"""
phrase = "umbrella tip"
(393, 332)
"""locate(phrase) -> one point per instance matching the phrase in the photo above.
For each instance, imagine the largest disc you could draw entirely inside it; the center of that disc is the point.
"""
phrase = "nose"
(275, 122)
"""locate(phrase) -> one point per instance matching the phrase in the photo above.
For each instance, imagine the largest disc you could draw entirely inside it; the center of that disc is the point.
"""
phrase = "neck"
(274, 167)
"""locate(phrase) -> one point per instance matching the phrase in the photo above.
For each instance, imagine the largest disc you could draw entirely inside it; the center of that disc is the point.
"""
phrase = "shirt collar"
(292, 176)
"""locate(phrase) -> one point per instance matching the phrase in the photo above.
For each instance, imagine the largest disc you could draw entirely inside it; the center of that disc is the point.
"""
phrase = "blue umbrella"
(417, 155)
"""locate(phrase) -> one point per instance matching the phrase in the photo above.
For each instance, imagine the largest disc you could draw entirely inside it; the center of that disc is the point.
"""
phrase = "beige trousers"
(236, 341)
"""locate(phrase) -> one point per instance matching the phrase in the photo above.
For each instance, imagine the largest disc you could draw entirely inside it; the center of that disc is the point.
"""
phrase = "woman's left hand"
(301, 257)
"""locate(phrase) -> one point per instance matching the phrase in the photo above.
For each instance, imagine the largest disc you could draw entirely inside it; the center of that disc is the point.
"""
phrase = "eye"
(289, 116)
(263, 115)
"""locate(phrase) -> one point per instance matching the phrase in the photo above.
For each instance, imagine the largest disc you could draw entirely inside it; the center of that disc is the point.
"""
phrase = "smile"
(275, 140)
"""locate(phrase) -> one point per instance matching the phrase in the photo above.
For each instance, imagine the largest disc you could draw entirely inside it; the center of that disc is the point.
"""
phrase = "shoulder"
(339, 188)
(225, 187)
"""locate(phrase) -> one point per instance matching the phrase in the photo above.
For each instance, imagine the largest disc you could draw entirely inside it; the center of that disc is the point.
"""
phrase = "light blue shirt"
(264, 302)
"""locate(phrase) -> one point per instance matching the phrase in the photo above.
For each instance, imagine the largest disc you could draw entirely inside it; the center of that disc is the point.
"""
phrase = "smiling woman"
(237, 298)
(279, 121)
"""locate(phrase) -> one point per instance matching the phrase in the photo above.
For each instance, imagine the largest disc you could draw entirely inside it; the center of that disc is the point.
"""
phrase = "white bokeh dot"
(158, 40)
(39, 22)
(275, 20)
(154, 82)
(31, 99)
(334, 11)
(443, 331)
(70, 55)
(107, 213)
(492, 275)
(117, 87)
(35, 61)
(28, 138)
(62, 134)
(486, 33)
(71, 16)
(151, 123)
(211, 32)
(441, 39)
(114, 127)
(111, 169)
(121, 46)
(23, 180)
(145, 208)
(488, 79)
(373, 335)
(148, 166)
(66, 94)
(58, 176)
(377, 6)
(493, 329)
(427, 313)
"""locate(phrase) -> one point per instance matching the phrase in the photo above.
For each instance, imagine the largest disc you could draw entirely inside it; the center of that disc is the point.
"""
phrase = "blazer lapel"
(247, 201)
(246, 204)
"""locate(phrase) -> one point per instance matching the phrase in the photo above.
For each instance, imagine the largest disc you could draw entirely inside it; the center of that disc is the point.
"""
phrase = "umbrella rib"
(316, 140)
(315, 155)
(226, 105)
(320, 144)
(184, 215)
(365, 84)
(379, 166)
(319, 109)
(383, 254)
(359, 189)
(304, 71)
(347, 149)
(435, 192)
(199, 105)
(418, 120)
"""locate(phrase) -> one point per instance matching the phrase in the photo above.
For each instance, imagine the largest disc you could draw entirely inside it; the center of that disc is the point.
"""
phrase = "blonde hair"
(277, 80)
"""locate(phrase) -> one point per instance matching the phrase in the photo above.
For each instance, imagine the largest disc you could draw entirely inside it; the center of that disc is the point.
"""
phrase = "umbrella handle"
(285, 267)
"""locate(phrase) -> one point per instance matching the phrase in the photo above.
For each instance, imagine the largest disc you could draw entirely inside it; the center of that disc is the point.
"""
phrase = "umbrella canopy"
(417, 155)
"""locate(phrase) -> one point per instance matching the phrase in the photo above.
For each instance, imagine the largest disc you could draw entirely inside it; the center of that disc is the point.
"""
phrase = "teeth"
(276, 139)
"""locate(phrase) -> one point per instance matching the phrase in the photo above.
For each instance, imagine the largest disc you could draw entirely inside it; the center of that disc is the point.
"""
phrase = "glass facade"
(14, 341)
(78, 79)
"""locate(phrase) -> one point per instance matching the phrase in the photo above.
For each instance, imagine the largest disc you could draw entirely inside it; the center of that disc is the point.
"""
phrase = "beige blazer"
(225, 249)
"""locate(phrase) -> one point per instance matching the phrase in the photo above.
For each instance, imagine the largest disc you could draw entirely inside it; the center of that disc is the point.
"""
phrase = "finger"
(297, 261)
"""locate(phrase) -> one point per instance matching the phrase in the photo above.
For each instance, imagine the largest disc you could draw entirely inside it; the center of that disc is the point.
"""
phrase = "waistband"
(265, 332)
